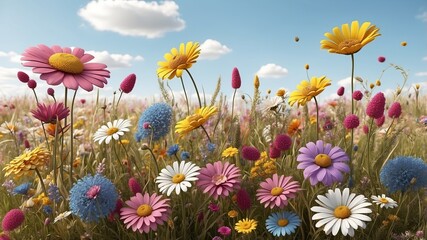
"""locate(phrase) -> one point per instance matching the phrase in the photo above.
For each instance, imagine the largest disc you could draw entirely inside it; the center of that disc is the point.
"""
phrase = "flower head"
(172, 150)
(307, 90)
(50, 113)
(384, 201)
(134, 185)
(243, 199)
(351, 121)
(224, 230)
(113, 130)
(68, 66)
(404, 173)
(219, 179)
(349, 40)
(375, 108)
(273, 151)
(157, 118)
(381, 59)
(282, 142)
(322, 163)
(236, 82)
(93, 197)
(29, 160)
(177, 177)
(22, 189)
(145, 212)
(395, 110)
(246, 225)
(230, 152)
(357, 95)
(178, 60)
(128, 83)
(276, 191)
(340, 91)
(250, 153)
(13, 219)
(380, 121)
(196, 120)
(341, 210)
(282, 223)
(23, 77)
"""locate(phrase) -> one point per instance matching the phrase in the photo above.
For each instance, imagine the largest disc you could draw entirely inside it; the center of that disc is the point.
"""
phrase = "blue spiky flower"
(282, 223)
(93, 197)
(22, 189)
(154, 123)
(404, 173)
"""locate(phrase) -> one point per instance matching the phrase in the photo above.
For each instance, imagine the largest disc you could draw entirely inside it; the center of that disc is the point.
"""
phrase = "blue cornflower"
(173, 150)
(404, 173)
(211, 147)
(185, 155)
(53, 193)
(282, 223)
(154, 122)
(47, 209)
(93, 197)
(22, 189)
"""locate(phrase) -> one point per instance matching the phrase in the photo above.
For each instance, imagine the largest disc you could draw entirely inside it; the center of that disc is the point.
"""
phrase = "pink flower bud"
(340, 91)
(274, 152)
(381, 59)
(32, 84)
(134, 186)
(128, 83)
(282, 142)
(50, 92)
(13, 219)
(375, 108)
(380, 121)
(395, 110)
(357, 95)
(236, 82)
(23, 77)
(351, 121)
(250, 153)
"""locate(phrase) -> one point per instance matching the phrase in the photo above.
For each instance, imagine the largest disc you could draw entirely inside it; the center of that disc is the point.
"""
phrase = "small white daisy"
(341, 211)
(62, 216)
(112, 130)
(384, 201)
(177, 177)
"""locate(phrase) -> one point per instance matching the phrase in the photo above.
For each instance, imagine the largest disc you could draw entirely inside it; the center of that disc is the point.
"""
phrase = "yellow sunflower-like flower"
(194, 121)
(178, 60)
(246, 225)
(307, 90)
(230, 152)
(31, 160)
(349, 40)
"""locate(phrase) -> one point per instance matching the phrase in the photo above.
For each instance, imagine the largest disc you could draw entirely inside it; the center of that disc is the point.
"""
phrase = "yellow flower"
(371, 85)
(230, 152)
(233, 213)
(378, 83)
(178, 60)
(194, 121)
(307, 90)
(246, 225)
(281, 92)
(293, 126)
(307, 67)
(30, 160)
(349, 40)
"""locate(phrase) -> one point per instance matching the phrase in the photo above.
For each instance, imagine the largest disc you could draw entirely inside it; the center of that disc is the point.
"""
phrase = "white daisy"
(272, 104)
(341, 211)
(384, 201)
(61, 216)
(112, 130)
(178, 176)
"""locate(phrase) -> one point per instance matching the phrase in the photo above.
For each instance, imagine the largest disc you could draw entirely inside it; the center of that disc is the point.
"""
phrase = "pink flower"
(145, 212)
(365, 129)
(357, 95)
(282, 142)
(219, 179)
(13, 219)
(134, 185)
(23, 77)
(380, 121)
(340, 91)
(351, 121)
(128, 83)
(381, 59)
(375, 108)
(274, 152)
(224, 230)
(213, 207)
(395, 110)
(276, 191)
(65, 65)
(243, 199)
(51, 113)
(236, 82)
(50, 92)
(32, 84)
(250, 153)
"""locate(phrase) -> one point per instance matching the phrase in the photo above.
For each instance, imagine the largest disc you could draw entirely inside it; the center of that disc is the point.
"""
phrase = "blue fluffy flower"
(282, 223)
(404, 173)
(22, 189)
(93, 197)
(154, 122)
(172, 150)
(185, 155)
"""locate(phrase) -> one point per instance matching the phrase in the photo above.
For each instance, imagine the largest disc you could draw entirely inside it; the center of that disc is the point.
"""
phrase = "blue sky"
(257, 37)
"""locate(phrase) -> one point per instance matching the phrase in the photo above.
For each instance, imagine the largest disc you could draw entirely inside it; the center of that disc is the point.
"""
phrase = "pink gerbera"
(276, 191)
(50, 113)
(219, 179)
(65, 65)
(145, 212)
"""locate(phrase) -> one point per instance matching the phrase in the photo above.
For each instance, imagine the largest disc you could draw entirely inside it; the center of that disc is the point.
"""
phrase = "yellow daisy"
(178, 60)
(30, 160)
(349, 40)
(307, 90)
(194, 121)
(230, 152)
(246, 225)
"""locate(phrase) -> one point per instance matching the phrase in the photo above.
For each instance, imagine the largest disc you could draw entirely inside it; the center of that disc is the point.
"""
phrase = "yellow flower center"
(276, 191)
(383, 200)
(323, 160)
(342, 212)
(112, 130)
(66, 62)
(246, 225)
(347, 43)
(282, 222)
(144, 210)
(177, 61)
(219, 179)
(179, 177)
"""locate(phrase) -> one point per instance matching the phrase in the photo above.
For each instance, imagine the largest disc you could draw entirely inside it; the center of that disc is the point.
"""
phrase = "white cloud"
(212, 49)
(272, 70)
(424, 58)
(13, 56)
(421, 74)
(423, 16)
(115, 60)
(345, 82)
(134, 18)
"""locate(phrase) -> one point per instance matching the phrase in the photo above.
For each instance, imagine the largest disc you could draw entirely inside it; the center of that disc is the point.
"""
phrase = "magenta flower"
(65, 65)
(13, 219)
(276, 191)
(282, 142)
(322, 163)
(381, 59)
(219, 179)
(236, 81)
(32, 84)
(250, 153)
(50, 92)
(375, 108)
(213, 207)
(243, 199)
(23, 77)
(134, 185)
(51, 113)
(351, 121)
(357, 95)
(224, 230)
(145, 212)
(340, 91)
(274, 152)
(128, 83)
(395, 110)
(380, 121)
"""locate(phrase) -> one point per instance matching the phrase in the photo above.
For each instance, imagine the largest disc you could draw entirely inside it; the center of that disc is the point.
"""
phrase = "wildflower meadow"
(276, 165)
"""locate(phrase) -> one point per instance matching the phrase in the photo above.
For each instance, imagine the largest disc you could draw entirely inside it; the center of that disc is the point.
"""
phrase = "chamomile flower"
(113, 130)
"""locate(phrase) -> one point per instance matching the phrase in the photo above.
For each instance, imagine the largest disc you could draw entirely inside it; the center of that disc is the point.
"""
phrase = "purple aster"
(323, 163)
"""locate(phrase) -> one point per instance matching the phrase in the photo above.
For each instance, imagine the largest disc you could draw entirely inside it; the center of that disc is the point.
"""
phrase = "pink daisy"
(219, 179)
(50, 113)
(65, 65)
(276, 191)
(145, 212)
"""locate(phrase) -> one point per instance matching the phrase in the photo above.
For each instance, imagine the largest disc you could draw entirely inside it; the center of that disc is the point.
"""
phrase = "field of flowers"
(276, 165)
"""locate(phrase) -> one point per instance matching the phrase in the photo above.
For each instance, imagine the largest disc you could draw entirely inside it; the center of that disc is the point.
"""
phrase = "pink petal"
(70, 82)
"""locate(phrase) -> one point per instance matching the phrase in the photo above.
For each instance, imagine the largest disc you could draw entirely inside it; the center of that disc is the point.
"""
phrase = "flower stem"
(195, 87)
(207, 135)
(41, 181)
(317, 117)
(352, 112)
(72, 137)
(186, 97)
(232, 104)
